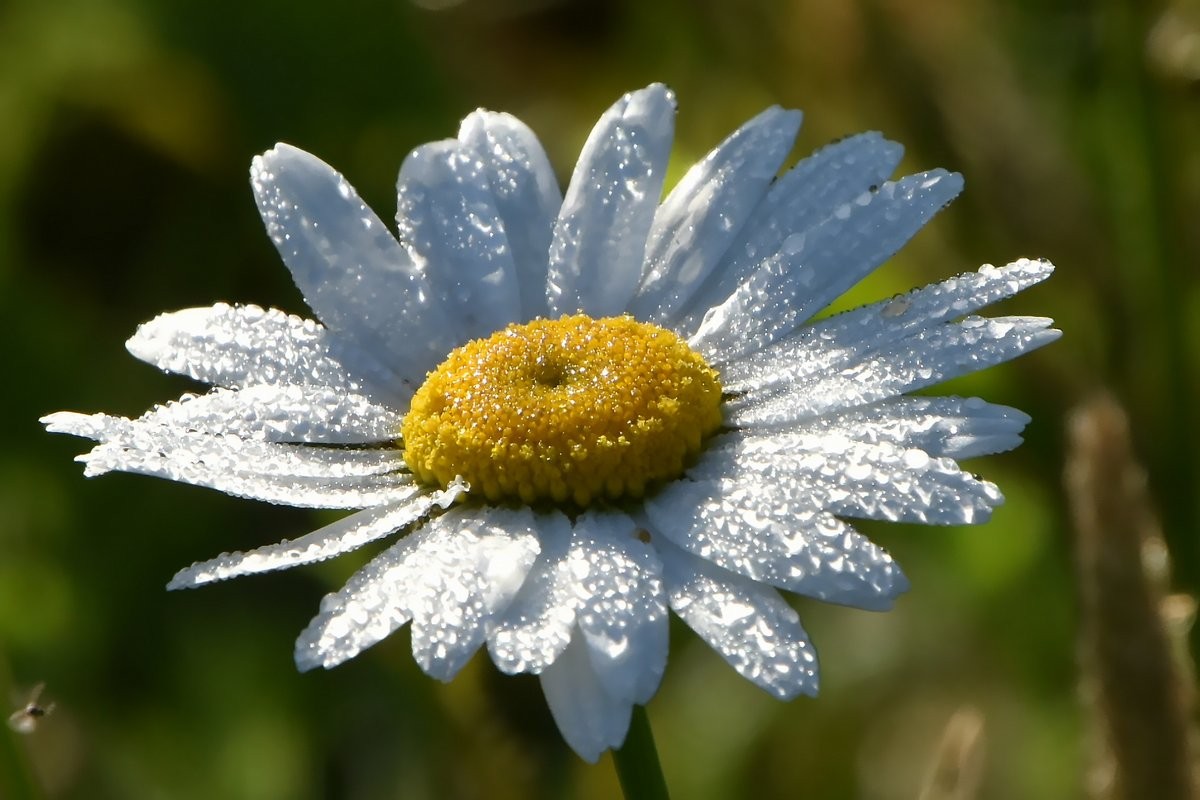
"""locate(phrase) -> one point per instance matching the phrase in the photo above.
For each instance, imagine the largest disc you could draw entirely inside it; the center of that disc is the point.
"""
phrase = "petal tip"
(306, 659)
(307, 653)
(188, 578)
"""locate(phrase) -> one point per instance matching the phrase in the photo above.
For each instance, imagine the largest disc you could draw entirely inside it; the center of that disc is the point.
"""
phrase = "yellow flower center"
(568, 410)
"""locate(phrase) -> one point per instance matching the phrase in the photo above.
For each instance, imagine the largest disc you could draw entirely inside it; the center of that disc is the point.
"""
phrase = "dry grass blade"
(1133, 676)
(957, 768)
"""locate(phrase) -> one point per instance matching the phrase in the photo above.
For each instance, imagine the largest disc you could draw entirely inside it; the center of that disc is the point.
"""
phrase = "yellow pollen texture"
(569, 410)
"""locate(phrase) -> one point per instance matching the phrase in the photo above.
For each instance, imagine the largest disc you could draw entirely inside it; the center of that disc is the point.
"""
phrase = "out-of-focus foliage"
(127, 130)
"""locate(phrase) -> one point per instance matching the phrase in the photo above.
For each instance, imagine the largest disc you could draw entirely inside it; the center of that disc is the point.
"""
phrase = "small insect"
(895, 307)
(26, 718)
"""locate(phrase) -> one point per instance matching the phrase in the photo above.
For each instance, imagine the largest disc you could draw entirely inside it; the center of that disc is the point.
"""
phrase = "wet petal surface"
(599, 239)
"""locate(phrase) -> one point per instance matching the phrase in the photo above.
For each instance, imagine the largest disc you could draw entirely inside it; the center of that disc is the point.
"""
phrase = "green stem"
(637, 762)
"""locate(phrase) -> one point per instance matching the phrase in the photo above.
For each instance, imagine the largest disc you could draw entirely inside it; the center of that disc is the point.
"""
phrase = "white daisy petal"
(348, 533)
(284, 414)
(954, 427)
(804, 197)
(599, 239)
(854, 479)
(808, 193)
(446, 215)
(760, 310)
(296, 491)
(819, 265)
(749, 624)
(706, 210)
(526, 193)
(352, 271)
(295, 475)
(240, 346)
(267, 458)
(930, 357)
(151, 432)
(536, 627)
(622, 606)
(589, 719)
(832, 342)
(373, 604)
(769, 532)
(469, 570)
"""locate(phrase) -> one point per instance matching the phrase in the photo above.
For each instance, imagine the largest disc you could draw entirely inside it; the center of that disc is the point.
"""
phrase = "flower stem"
(637, 762)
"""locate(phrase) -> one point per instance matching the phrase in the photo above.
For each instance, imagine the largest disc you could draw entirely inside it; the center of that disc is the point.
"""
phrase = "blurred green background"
(126, 131)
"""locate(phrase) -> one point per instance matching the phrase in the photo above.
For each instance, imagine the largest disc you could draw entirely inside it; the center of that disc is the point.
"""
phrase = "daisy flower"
(579, 411)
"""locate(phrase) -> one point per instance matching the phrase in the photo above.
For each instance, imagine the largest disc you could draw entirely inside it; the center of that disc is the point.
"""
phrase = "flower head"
(579, 411)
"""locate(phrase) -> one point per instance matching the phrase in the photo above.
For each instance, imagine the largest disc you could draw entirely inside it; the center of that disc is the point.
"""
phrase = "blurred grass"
(128, 128)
